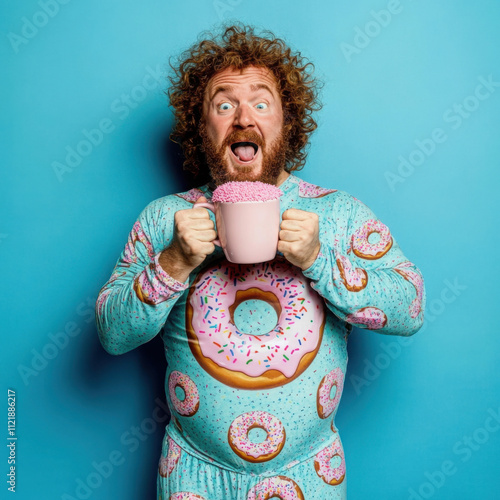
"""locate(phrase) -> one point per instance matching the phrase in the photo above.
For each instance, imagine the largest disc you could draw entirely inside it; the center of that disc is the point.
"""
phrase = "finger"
(207, 248)
(199, 248)
(292, 225)
(284, 247)
(289, 236)
(199, 213)
(200, 224)
(194, 246)
(191, 213)
(205, 235)
(185, 227)
(296, 214)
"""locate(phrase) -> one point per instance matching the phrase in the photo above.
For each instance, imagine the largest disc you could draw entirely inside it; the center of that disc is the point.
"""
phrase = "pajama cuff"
(154, 285)
(165, 280)
(315, 271)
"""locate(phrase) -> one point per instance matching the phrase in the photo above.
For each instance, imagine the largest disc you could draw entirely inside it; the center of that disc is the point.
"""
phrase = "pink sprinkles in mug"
(234, 192)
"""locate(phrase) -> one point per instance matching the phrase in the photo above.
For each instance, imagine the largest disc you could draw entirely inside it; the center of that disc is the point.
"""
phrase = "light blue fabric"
(358, 278)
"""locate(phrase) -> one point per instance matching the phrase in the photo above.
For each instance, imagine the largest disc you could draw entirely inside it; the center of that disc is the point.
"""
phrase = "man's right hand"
(194, 233)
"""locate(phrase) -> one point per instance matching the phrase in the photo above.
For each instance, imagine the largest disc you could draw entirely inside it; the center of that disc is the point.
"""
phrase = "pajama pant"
(184, 474)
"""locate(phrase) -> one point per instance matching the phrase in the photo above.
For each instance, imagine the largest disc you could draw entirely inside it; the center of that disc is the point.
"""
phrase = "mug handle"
(208, 206)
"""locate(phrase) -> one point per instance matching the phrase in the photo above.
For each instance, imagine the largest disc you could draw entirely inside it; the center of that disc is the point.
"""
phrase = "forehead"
(252, 77)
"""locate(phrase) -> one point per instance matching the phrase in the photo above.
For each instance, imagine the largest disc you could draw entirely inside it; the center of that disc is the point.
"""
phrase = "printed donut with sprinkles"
(251, 361)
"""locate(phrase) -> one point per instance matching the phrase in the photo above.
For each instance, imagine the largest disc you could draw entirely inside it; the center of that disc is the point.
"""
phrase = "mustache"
(244, 136)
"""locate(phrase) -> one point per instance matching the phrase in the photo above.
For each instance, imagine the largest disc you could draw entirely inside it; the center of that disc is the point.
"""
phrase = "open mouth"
(244, 151)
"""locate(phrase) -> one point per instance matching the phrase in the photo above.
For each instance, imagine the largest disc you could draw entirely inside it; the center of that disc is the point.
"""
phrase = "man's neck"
(282, 178)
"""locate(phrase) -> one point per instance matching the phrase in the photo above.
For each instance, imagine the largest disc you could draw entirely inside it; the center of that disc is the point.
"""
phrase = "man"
(253, 403)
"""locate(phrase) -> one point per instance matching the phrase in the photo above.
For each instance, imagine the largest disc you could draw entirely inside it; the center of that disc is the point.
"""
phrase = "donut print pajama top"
(256, 353)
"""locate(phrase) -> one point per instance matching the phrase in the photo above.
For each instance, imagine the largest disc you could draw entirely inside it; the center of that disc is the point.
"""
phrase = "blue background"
(425, 407)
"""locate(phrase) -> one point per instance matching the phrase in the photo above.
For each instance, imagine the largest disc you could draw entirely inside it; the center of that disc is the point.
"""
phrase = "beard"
(273, 157)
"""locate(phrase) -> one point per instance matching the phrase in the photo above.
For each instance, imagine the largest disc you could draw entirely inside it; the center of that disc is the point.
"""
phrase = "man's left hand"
(299, 237)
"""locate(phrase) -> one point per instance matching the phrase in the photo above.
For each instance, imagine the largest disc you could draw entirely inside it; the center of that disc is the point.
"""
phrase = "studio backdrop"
(409, 125)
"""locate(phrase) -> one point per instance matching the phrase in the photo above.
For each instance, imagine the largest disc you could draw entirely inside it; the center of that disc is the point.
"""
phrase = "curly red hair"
(238, 46)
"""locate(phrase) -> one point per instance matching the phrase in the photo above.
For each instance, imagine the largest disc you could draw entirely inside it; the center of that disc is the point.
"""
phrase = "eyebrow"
(230, 88)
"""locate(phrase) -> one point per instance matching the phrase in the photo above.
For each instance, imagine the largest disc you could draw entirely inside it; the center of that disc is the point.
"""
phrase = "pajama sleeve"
(133, 305)
(362, 273)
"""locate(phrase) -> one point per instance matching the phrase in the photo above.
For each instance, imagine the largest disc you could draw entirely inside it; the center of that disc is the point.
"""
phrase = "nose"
(243, 117)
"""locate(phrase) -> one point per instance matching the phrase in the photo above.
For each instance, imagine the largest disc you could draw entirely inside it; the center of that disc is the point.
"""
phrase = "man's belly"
(256, 367)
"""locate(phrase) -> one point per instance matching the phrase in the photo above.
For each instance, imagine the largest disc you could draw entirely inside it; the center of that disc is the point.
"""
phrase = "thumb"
(201, 199)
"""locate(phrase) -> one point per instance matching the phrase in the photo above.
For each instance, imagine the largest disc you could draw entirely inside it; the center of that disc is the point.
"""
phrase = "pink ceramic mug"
(248, 230)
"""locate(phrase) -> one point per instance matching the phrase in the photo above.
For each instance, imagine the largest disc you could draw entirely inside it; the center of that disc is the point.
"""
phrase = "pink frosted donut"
(184, 495)
(372, 317)
(168, 463)
(256, 452)
(416, 280)
(354, 279)
(281, 487)
(104, 291)
(330, 475)
(307, 190)
(189, 406)
(115, 276)
(137, 234)
(324, 403)
(247, 361)
(366, 250)
(101, 301)
(235, 191)
(191, 196)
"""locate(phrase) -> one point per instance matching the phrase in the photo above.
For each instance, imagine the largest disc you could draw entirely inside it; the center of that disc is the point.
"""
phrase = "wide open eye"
(261, 105)
(225, 106)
